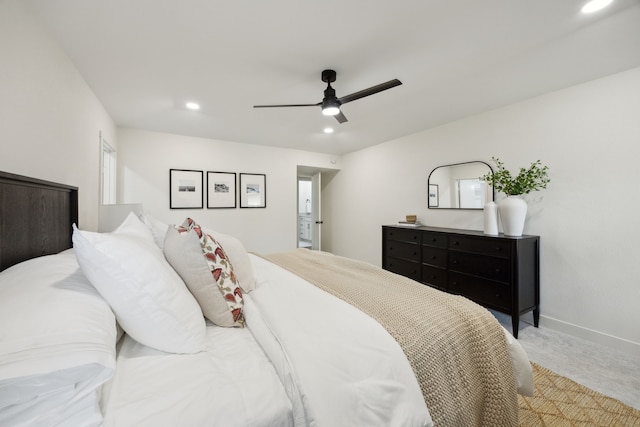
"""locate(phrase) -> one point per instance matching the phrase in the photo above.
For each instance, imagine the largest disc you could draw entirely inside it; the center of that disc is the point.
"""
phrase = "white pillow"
(57, 342)
(148, 297)
(239, 258)
(157, 227)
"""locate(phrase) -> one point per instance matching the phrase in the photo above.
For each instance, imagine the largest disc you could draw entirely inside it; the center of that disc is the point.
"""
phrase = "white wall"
(588, 135)
(49, 118)
(145, 158)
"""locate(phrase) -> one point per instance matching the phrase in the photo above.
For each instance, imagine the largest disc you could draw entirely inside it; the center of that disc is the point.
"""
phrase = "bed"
(157, 324)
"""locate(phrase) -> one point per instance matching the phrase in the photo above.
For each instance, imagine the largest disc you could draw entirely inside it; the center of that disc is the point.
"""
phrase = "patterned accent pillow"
(239, 257)
(204, 266)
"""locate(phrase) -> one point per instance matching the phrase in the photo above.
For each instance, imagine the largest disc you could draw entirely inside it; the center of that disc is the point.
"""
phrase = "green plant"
(532, 179)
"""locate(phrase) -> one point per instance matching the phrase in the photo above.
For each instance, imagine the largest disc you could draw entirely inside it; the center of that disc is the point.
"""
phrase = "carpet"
(559, 401)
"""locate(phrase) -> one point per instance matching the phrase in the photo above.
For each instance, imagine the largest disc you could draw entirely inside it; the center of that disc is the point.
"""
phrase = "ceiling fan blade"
(288, 105)
(341, 117)
(370, 91)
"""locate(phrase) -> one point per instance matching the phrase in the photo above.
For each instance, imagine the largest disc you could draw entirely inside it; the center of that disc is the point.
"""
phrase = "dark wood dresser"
(498, 272)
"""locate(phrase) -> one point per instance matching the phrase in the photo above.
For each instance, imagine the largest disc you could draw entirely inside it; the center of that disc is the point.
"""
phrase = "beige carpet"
(559, 401)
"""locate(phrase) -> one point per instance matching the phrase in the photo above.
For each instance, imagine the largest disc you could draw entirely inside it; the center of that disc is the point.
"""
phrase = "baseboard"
(607, 340)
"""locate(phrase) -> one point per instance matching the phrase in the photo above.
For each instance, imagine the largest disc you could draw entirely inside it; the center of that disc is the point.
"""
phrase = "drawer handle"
(456, 243)
(433, 239)
(498, 248)
(498, 270)
(455, 261)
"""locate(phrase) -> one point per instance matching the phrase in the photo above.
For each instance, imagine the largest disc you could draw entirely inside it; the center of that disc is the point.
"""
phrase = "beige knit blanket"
(456, 348)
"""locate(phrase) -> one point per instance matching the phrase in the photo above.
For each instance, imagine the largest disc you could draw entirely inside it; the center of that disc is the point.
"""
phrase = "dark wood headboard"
(35, 218)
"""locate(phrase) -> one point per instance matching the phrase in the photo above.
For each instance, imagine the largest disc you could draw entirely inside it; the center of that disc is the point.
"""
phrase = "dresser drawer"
(485, 292)
(434, 256)
(487, 246)
(493, 268)
(438, 240)
(403, 267)
(410, 251)
(402, 235)
(433, 276)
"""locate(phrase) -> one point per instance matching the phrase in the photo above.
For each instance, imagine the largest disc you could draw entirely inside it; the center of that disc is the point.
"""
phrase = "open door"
(309, 210)
(316, 219)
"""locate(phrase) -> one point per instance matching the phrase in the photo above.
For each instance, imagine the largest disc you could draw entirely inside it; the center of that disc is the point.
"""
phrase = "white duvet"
(339, 365)
(230, 384)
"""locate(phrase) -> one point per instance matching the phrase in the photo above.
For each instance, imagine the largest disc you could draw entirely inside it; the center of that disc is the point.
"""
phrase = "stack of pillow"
(158, 280)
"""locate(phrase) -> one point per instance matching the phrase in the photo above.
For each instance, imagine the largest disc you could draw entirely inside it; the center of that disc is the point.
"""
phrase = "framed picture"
(434, 197)
(185, 189)
(221, 190)
(253, 190)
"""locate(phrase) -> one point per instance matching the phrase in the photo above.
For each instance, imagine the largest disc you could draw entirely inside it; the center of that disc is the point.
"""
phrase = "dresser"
(499, 272)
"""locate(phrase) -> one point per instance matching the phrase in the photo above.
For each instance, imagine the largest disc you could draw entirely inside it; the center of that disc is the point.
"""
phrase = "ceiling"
(144, 59)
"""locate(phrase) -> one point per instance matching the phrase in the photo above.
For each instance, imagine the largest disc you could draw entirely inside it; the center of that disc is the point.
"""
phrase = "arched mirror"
(458, 186)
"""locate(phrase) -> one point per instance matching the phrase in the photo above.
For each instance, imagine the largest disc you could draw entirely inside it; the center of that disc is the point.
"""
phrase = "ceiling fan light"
(330, 111)
(330, 107)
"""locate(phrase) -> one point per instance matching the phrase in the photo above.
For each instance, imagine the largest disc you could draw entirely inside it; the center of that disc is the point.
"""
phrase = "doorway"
(308, 218)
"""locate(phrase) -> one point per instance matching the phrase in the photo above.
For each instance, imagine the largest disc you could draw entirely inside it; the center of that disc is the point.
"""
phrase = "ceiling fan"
(331, 104)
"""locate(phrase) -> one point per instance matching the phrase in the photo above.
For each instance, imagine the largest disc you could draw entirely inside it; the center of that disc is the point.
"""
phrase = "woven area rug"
(559, 401)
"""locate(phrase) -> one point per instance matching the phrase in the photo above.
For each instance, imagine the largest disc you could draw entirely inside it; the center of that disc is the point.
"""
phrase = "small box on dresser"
(498, 272)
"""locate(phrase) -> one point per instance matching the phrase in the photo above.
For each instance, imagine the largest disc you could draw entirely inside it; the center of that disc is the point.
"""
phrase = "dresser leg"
(536, 316)
(515, 322)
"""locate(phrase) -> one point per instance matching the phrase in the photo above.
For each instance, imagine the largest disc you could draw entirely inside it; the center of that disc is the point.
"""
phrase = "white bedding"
(306, 358)
(230, 384)
(356, 375)
(57, 344)
(346, 369)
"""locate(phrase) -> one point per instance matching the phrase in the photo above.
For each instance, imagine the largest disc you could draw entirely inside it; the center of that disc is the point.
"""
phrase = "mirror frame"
(493, 192)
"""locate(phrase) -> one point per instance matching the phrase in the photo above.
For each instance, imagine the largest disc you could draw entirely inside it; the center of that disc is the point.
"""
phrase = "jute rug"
(559, 401)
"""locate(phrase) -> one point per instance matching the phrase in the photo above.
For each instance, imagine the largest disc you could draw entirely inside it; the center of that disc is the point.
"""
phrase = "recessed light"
(328, 130)
(595, 5)
(192, 106)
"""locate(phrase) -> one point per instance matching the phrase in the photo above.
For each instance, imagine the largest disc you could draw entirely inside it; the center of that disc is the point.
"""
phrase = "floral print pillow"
(214, 269)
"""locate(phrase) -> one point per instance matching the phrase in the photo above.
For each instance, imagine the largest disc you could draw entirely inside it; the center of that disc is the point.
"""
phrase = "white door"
(316, 220)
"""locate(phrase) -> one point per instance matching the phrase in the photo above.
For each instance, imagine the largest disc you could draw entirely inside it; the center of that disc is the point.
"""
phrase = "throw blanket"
(456, 348)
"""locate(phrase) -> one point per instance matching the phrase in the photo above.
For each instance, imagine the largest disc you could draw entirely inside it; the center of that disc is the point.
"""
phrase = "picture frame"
(434, 197)
(221, 190)
(253, 190)
(185, 189)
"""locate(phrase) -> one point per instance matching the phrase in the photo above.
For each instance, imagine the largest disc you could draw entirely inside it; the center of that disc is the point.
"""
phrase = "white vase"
(490, 219)
(513, 211)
